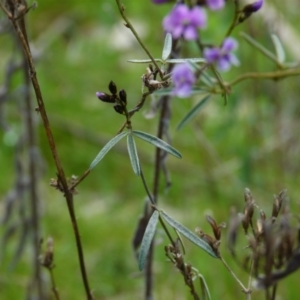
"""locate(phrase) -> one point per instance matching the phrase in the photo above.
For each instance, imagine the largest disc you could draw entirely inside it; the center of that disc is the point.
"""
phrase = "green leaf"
(204, 287)
(143, 61)
(193, 112)
(134, 159)
(167, 47)
(156, 142)
(107, 147)
(280, 53)
(147, 239)
(259, 47)
(189, 235)
(185, 60)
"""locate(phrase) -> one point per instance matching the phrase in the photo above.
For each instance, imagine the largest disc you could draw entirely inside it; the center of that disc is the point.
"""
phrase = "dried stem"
(244, 289)
(54, 289)
(61, 175)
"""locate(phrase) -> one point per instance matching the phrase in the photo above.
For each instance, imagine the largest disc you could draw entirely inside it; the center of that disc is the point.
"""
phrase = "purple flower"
(255, 6)
(215, 4)
(183, 79)
(222, 56)
(183, 21)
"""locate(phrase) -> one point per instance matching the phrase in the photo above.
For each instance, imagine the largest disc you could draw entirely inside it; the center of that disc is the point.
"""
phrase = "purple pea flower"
(255, 6)
(183, 79)
(183, 21)
(215, 4)
(222, 56)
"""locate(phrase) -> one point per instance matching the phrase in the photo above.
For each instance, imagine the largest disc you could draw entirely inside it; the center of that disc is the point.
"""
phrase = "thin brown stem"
(129, 25)
(54, 289)
(61, 175)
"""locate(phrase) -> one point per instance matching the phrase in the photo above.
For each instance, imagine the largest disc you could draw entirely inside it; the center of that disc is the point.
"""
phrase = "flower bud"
(123, 96)
(105, 97)
(112, 87)
(119, 109)
(249, 9)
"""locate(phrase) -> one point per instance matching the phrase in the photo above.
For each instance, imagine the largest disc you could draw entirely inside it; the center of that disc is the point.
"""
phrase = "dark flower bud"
(119, 109)
(105, 97)
(123, 96)
(112, 87)
(249, 9)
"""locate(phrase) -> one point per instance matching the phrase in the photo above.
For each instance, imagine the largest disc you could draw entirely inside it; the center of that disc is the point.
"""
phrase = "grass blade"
(107, 147)
(156, 142)
(189, 234)
(147, 239)
(134, 159)
(193, 112)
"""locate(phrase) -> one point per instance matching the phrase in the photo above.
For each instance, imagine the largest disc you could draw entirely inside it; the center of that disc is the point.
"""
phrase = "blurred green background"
(251, 142)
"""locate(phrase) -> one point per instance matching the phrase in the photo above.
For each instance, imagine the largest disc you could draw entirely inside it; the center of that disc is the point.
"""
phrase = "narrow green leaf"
(107, 147)
(280, 53)
(189, 234)
(193, 112)
(181, 241)
(156, 142)
(143, 61)
(167, 47)
(259, 47)
(184, 60)
(134, 159)
(147, 239)
(204, 287)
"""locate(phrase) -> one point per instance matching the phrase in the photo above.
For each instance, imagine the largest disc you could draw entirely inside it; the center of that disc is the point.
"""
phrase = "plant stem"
(276, 75)
(129, 25)
(61, 175)
(244, 289)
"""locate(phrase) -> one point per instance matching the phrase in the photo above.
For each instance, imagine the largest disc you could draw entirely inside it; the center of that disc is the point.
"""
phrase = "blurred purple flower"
(183, 79)
(183, 21)
(253, 7)
(215, 4)
(223, 56)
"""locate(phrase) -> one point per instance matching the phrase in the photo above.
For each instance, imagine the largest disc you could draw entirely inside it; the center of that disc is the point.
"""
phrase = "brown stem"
(158, 161)
(61, 175)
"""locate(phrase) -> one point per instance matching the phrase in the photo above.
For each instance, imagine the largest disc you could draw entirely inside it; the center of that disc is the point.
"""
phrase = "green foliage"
(250, 142)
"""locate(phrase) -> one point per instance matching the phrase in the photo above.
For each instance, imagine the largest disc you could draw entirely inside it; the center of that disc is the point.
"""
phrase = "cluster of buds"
(149, 80)
(57, 184)
(273, 242)
(118, 99)
(213, 241)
